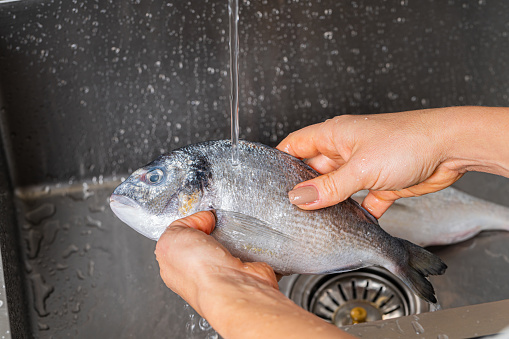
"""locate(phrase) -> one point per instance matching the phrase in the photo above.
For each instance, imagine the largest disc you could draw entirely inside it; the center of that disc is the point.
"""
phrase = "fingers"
(328, 189)
(203, 221)
(173, 238)
(377, 202)
(299, 143)
(323, 164)
(313, 141)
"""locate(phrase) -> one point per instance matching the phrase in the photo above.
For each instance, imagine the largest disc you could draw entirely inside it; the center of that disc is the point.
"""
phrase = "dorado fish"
(256, 221)
(445, 217)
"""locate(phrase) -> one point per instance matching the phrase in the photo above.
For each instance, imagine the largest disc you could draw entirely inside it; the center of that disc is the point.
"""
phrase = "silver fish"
(255, 220)
(445, 217)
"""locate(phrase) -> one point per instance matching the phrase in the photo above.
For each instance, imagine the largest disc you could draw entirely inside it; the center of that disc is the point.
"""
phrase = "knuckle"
(330, 188)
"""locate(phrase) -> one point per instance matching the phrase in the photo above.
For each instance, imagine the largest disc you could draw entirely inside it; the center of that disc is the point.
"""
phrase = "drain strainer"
(367, 294)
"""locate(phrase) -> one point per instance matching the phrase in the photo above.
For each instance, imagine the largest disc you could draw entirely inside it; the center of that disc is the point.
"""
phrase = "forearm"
(477, 138)
(242, 307)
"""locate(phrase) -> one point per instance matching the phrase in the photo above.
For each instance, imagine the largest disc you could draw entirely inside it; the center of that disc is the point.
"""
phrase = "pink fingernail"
(303, 195)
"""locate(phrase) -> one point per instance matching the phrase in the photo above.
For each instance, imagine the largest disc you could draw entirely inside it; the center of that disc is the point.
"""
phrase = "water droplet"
(417, 327)
(93, 223)
(50, 230)
(42, 327)
(33, 239)
(80, 274)
(221, 252)
(41, 292)
(442, 336)
(61, 267)
(40, 213)
(76, 308)
(96, 208)
(91, 266)
(69, 250)
(392, 96)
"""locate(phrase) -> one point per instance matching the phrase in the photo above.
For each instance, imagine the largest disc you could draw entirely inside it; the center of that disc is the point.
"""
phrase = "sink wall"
(93, 89)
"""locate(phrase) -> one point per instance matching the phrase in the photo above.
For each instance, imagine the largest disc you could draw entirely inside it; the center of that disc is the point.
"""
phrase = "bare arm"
(240, 300)
(398, 155)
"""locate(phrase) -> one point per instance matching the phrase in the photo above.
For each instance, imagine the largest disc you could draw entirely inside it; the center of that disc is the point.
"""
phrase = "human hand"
(190, 261)
(239, 300)
(392, 155)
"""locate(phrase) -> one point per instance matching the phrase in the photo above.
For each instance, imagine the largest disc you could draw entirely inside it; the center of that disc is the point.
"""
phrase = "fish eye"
(154, 176)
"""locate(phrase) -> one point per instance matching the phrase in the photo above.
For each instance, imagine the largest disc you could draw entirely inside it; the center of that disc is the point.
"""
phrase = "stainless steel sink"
(90, 90)
(86, 272)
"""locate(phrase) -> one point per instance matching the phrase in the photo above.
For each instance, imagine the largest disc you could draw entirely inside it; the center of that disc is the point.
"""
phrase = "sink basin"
(90, 90)
(86, 273)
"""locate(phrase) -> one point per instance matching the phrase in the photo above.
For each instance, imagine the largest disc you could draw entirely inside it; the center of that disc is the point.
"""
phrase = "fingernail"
(303, 195)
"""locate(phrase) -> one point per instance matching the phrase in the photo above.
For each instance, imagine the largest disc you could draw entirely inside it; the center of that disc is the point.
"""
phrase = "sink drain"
(367, 294)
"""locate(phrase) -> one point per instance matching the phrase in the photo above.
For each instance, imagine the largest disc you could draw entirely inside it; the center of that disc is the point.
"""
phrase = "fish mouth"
(123, 201)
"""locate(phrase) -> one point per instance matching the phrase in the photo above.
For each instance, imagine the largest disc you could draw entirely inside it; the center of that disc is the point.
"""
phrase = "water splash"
(198, 327)
(204, 324)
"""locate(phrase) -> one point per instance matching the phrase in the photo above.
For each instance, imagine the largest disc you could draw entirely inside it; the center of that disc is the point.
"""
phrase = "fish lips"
(121, 201)
(126, 209)
(132, 213)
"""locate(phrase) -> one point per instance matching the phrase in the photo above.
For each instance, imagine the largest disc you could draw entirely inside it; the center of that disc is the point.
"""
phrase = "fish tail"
(421, 264)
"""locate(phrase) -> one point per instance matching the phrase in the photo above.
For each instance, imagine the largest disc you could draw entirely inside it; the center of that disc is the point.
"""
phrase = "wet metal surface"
(478, 271)
(91, 89)
(464, 322)
(116, 83)
(87, 274)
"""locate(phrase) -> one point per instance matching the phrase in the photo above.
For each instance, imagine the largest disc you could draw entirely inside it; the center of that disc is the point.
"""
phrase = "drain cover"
(368, 294)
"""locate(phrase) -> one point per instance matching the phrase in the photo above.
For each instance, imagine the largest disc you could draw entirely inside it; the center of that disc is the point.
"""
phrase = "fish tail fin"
(421, 264)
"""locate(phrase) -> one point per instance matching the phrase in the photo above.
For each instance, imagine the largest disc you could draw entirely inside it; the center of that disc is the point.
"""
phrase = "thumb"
(203, 221)
(328, 189)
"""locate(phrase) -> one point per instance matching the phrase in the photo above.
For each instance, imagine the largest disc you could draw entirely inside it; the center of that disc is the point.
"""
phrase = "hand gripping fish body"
(255, 220)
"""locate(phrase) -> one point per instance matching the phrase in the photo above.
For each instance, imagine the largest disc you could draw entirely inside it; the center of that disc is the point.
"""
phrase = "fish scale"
(256, 221)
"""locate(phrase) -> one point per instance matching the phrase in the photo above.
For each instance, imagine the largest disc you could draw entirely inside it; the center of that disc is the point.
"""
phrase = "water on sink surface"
(86, 273)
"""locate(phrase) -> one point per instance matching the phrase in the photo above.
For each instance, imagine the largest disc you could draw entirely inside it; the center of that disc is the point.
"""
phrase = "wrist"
(476, 139)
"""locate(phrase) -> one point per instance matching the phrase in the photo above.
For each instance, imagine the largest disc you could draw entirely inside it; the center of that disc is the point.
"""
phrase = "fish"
(255, 220)
(445, 217)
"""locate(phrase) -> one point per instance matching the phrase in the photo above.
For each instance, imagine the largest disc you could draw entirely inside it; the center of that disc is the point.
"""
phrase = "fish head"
(157, 194)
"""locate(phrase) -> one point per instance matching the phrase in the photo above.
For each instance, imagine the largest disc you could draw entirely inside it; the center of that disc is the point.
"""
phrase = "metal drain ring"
(333, 296)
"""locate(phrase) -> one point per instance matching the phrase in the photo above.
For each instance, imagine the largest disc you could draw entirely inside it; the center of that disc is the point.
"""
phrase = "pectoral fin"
(243, 227)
